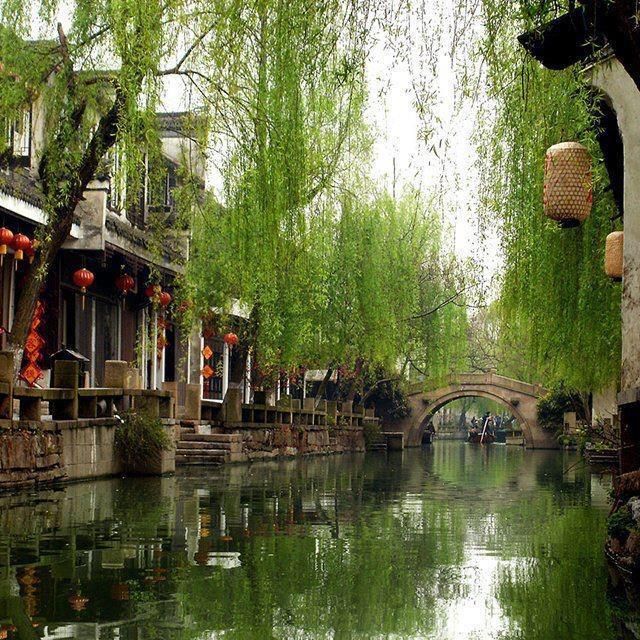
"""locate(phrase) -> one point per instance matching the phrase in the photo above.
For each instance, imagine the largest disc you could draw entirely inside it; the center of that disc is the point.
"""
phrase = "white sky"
(443, 164)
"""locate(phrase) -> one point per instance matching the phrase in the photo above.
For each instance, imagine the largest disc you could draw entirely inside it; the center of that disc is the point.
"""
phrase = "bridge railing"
(478, 379)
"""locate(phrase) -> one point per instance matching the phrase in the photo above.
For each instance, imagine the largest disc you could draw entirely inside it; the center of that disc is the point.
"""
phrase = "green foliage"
(553, 406)
(388, 397)
(620, 523)
(140, 438)
(371, 432)
(555, 302)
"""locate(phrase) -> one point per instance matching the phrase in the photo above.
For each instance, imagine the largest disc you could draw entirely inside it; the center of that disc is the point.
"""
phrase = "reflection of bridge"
(520, 398)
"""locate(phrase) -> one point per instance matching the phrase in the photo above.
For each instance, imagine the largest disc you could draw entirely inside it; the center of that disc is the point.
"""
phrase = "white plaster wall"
(605, 405)
(610, 78)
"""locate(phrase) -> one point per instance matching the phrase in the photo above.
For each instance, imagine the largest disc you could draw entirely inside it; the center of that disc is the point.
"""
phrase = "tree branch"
(444, 303)
(194, 45)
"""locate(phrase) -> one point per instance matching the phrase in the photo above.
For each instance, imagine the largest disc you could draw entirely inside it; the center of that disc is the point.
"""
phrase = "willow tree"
(556, 301)
(100, 74)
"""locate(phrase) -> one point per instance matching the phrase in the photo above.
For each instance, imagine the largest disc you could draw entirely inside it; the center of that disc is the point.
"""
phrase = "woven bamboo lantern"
(567, 184)
(613, 255)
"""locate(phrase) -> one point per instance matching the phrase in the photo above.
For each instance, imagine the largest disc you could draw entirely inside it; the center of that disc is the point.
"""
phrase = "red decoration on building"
(125, 283)
(20, 244)
(6, 237)
(153, 292)
(231, 339)
(165, 298)
(207, 372)
(34, 344)
(83, 278)
(78, 602)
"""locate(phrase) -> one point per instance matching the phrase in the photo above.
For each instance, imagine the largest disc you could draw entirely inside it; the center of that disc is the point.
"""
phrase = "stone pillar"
(192, 403)
(65, 376)
(233, 405)
(613, 80)
(116, 373)
(6, 384)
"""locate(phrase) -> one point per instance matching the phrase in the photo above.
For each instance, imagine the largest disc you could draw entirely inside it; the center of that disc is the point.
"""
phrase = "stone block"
(232, 406)
(46, 461)
(134, 378)
(65, 374)
(6, 366)
(150, 405)
(116, 374)
(31, 409)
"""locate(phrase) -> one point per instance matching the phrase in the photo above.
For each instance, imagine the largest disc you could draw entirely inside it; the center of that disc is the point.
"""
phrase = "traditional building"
(126, 313)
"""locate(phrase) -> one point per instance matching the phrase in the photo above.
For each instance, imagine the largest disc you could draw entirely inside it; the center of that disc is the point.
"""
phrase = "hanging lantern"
(125, 283)
(20, 244)
(6, 237)
(231, 339)
(165, 298)
(83, 278)
(153, 292)
(614, 255)
(77, 601)
(568, 192)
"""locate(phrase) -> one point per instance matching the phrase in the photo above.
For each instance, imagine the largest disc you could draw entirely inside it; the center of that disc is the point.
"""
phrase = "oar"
(484, 429)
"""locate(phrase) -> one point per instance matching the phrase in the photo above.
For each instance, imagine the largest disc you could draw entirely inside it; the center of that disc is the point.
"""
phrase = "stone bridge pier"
(520, 398)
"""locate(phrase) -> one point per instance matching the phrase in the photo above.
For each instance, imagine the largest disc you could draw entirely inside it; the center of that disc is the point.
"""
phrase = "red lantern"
(125, 283)
(83, 278)
(231, 339)
(165, 299)
(6, 237)
(20, 244)
(153, 291)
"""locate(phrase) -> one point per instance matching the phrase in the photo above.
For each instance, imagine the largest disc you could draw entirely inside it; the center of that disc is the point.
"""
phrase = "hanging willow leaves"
(556, 302)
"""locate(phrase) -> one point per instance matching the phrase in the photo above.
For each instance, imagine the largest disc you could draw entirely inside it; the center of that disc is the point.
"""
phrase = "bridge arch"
(434, 407)
(520, 397)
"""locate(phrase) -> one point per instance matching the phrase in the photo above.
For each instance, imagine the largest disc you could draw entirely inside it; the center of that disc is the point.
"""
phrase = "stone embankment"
(68, 433)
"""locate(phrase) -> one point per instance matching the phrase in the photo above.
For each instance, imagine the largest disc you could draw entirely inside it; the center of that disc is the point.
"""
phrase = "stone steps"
(191, 459)
(198, 444)
(213, 437)
(207, 449)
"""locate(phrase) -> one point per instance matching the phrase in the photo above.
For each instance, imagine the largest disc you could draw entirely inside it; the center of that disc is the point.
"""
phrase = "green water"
(451, 542)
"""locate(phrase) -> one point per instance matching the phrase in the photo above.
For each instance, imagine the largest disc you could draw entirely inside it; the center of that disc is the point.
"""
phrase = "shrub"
(140, 438)
(620, 523)
(553, 406)
(371, 433)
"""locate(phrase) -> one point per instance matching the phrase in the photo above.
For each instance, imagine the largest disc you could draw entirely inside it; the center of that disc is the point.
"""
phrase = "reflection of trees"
(559, 592)
(378, 578)
(351, 545)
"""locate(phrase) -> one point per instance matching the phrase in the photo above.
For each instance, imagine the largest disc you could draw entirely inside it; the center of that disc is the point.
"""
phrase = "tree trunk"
(67, 193)
(323, 386)
(353, 388)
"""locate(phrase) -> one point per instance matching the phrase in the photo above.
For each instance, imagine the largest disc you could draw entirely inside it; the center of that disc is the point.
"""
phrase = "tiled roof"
(20, 184)
(182, 123)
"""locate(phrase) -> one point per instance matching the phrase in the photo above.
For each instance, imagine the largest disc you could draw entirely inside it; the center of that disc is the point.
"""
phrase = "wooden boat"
(475, 437)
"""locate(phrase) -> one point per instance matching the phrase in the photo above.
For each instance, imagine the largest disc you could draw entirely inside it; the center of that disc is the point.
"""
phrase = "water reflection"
(454, 542)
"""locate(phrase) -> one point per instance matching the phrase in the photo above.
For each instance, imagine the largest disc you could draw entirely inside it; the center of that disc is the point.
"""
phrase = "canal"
(450, 542)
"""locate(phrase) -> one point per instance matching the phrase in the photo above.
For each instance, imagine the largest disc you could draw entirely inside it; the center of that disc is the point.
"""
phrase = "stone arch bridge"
(520, 398)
